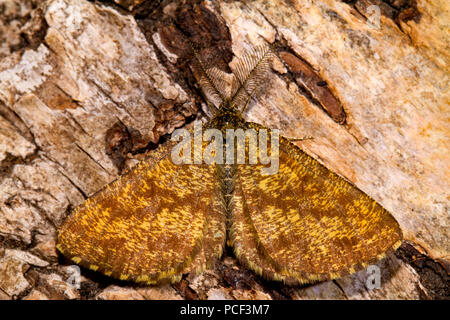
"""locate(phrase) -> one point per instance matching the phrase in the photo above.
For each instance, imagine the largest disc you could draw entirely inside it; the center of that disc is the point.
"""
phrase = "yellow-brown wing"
(153, 224)
(305, 223)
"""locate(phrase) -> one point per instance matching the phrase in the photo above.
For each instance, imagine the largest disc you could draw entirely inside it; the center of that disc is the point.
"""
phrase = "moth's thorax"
(228, 117)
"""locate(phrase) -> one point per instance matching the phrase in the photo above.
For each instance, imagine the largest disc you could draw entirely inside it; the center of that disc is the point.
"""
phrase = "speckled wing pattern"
(305, 223)
(153, 224)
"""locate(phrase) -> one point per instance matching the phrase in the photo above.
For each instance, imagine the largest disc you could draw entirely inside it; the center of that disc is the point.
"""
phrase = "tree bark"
(87, 89)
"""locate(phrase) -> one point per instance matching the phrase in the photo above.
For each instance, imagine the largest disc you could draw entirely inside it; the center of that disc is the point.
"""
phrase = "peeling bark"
(88, 88)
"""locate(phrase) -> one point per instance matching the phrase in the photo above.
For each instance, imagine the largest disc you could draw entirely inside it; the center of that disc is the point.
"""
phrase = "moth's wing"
(153, 224)
(305, 223)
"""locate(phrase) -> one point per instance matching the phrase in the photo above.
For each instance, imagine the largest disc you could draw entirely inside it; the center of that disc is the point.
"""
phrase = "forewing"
(305, 223)
(153, 224)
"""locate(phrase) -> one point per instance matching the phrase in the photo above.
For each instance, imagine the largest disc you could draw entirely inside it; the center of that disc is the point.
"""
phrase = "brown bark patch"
(55, 98)
(118, 143)
(434, 275)
(315, 85)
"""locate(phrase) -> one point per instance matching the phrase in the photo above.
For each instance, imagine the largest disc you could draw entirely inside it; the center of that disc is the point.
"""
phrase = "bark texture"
(88, 88)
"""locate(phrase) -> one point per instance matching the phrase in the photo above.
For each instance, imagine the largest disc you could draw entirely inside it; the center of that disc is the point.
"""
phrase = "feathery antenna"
(211, 81)
(248, 74)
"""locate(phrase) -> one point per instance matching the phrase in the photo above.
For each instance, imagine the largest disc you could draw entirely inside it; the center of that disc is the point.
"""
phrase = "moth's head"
(228, 116)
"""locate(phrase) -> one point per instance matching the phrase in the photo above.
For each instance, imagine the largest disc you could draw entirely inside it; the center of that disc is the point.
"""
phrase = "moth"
(162, 220)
